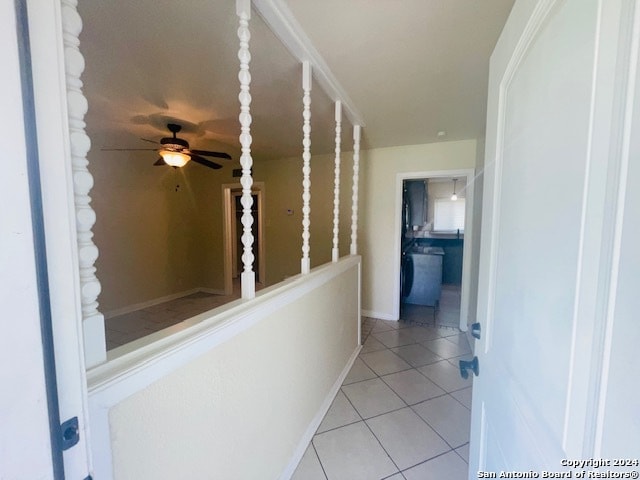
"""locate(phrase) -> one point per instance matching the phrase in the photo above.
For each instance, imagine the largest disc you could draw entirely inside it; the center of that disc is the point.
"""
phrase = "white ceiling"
(412, 68)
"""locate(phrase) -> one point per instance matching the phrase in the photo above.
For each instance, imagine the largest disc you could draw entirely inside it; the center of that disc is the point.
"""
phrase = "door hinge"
(70, 433)
(475, 330)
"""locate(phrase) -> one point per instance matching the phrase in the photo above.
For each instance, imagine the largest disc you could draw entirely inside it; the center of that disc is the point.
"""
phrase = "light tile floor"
(403, 411)
(131, 326)
(447, 313)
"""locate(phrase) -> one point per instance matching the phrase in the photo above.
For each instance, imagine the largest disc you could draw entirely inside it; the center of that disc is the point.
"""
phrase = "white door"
(555, 147)
(25, 446)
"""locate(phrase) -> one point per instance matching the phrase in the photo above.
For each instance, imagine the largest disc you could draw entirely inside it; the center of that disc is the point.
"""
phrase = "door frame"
(470, 175)
(228, 230)
(59, 104)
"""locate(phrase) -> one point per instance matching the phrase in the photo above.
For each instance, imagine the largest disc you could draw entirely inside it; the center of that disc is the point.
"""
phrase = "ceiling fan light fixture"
(174, 159)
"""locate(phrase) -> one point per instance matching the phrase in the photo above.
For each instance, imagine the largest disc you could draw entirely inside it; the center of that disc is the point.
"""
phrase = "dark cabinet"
(415, 203)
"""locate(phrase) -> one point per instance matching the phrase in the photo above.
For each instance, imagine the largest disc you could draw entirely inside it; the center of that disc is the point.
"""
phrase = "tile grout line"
(463, 459)
(432, 428)
(407, 405)
(446, 393)
(374, 435)
(319, 461)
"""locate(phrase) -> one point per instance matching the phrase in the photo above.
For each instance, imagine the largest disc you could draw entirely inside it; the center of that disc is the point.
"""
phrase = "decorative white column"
(92, 320)
(305, 263)
(354, 197)
(335, 252)
(248, 276)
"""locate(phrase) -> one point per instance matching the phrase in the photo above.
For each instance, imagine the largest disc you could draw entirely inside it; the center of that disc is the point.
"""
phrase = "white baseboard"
(317, 420)
(379, 315)
(212, 291)
(156, 301)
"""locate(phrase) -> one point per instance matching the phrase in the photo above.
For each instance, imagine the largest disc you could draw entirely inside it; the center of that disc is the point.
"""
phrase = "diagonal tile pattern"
(403, 411)
(128, 327)
(131, 326)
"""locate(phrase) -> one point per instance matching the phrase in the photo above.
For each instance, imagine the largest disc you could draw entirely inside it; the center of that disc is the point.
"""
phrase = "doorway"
(432, 258)
(232, 194)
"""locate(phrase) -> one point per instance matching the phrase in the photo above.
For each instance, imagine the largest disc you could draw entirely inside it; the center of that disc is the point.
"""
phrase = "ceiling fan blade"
(150, 141)
(205, 162)
(159, 162)
(207, 153)
(128, 149)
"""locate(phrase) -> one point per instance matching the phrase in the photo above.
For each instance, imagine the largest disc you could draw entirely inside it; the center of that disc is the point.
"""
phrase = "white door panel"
(619, 432)
(551, 153)
(542, 179)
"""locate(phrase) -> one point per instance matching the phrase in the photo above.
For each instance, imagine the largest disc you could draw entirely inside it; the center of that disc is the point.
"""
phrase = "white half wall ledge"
(147, 359)
(283, 23)
(155, 357)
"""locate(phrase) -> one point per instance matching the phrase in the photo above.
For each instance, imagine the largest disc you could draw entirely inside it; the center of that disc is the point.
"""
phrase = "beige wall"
(283, 232)
(158, 229)
(241, 410)
(378, 210)
(155, 241)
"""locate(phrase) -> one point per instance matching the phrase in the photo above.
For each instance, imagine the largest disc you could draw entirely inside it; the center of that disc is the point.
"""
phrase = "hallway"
(403, 411)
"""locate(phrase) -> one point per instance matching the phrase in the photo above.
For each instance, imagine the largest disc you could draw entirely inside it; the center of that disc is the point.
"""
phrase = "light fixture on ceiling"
(454, 197)
(175, 159)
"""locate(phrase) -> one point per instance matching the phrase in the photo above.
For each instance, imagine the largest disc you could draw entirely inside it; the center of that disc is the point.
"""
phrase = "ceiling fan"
(175, 151)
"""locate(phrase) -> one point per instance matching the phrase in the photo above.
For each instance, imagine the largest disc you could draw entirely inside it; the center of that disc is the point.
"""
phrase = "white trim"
(228, 229)
(175, 346)
(335, 251)
(85, 217)
(466, 247)
(284, 25)
(134, 366)
(628, 129)
(353, 249)
(167, 298)
(317, 419)
(54, 26)
(212, 291)
(379, 315)
(305, 261)
(227, 238)
(248, 276)
(359, 303)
